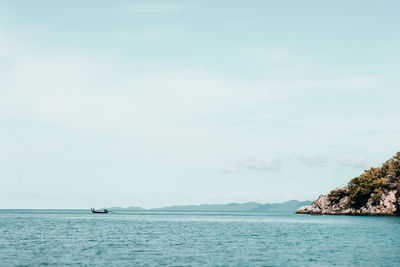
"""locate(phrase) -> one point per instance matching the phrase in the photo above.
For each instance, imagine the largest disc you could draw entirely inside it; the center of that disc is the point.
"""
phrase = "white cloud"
(353, 162)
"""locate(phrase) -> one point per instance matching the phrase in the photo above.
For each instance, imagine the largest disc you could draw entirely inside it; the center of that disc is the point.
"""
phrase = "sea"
(148, 238)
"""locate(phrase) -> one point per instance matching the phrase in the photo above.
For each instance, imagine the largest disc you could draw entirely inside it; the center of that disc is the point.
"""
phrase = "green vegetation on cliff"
(375, 192)
(373, 182)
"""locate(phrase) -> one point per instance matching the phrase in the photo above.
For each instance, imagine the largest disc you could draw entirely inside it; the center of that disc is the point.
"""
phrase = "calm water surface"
(61, 237)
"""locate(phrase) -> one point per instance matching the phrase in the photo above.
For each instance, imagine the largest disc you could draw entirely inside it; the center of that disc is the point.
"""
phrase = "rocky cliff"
(375, 192)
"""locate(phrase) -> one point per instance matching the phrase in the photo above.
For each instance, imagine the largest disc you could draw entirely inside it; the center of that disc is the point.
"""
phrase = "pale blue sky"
(155, 103)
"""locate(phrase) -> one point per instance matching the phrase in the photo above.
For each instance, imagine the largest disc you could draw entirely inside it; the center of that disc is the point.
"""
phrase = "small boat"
(97, 211)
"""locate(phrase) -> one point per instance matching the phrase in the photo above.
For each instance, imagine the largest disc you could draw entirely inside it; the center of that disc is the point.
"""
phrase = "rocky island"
(375, 192)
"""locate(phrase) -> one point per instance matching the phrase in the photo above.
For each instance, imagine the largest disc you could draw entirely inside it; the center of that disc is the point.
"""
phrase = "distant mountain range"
(288, 206)
(128, 208)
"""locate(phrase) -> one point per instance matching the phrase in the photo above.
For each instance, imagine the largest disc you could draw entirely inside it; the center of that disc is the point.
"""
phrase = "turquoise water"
(61, 237)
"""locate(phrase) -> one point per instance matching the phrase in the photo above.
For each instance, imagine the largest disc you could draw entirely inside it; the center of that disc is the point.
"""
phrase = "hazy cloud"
(271, 55)
(242, 197)
(230, 170)
(154, 8)
(153, 89)
(354, 162)
(264, 164)
(315, 160)
(267, 164)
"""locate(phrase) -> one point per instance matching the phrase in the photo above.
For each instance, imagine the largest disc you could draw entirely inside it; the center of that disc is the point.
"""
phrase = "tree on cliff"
(374, 181)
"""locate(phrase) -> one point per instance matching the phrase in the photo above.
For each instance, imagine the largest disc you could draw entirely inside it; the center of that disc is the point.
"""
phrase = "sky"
(157, 103)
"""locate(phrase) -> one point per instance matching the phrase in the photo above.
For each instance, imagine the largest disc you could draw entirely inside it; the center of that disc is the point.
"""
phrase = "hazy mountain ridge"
(288, 206)
(127, 208)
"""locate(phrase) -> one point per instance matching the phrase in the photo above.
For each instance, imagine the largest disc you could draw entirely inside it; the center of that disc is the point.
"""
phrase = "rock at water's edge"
(375, 192)
(388, 205)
